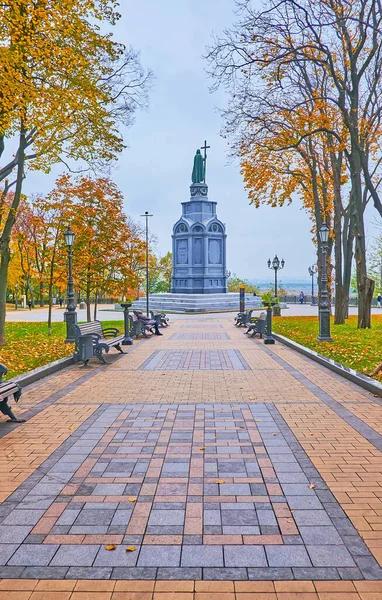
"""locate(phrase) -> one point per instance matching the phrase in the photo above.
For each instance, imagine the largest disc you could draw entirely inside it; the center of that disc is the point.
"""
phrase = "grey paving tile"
(288, 556)
(134, 573)
(159, 556)
(297, 489)
(270, 574)
(321, 534)
(202, 556)
(179, 573)
(330, 556)
(75, 556)
(316, 573)
(244, 556)
(23, 517)
(304, 502)
(225, 574)
(14, 534)
(167, 517)
(109, 489)
(33, 555)
(6, 551)
(116, 558)
(311, 517)
(44, 572)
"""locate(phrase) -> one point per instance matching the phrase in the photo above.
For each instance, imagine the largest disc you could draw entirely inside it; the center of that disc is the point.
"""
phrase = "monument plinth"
(199, 241)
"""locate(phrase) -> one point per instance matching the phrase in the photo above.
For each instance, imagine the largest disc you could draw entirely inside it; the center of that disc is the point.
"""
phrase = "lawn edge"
(44, 371)
(352, 375)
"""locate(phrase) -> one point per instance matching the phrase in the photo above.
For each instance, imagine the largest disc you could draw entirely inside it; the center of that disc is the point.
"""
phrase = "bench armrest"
(110, 332)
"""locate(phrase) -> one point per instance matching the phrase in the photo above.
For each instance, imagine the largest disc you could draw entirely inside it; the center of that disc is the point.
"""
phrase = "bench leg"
(118, 347)
(6, 410)
(99, 355)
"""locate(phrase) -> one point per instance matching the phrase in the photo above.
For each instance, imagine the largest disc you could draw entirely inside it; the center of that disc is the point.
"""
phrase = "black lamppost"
(276, 265)
(146, 215)
(70, 315)
(324, 306)
(312, 271)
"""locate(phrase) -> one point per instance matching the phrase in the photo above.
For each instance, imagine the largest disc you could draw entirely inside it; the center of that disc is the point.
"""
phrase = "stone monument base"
(196, 303)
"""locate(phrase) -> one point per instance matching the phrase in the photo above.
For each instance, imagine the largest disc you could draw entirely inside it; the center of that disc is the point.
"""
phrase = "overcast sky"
(154, 173)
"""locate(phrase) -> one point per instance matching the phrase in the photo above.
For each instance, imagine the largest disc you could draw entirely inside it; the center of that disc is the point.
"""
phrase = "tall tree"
(65, 88)
(337, 42)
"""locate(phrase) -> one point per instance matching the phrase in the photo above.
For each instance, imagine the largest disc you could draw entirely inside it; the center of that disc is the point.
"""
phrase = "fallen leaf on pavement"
(132, 499)
(220, 481)
(130, 548)
(110, 547)
(311, 486)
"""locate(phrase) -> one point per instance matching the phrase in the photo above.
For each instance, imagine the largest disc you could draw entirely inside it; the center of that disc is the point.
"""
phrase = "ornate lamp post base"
(268, 338)
(127, 340)
(324, 318)
(70, 318)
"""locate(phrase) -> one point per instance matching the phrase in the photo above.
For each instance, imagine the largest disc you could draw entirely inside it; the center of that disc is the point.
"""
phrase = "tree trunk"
(95, 305)
(6, 235)
(88, 313)
(41, 299)
(4, 262)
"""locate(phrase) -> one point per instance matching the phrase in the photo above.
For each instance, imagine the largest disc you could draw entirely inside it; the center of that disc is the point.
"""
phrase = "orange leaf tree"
(65, 88)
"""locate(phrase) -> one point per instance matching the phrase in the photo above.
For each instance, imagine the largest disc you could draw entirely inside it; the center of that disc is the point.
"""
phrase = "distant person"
(30, 304)
(302, 297)
(254, 293)
(60, 301)
(379, 301)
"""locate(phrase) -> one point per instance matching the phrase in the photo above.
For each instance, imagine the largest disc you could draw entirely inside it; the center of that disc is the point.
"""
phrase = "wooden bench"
(257, 325)
(8, 389)
(103, 339)
(138, 327)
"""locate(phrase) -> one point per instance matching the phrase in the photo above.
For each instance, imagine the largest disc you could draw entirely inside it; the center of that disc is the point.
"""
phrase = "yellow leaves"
(202, 448)
(130, 549)
(110, 547)
(311, 486)
(220, 481)
(132, 499)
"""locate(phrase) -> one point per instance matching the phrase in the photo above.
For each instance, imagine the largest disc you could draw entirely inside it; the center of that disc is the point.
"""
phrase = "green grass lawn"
(360, 349)
(29, 346)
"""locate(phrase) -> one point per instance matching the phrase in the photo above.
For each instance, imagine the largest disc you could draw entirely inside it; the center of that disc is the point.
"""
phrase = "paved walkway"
(201, 463)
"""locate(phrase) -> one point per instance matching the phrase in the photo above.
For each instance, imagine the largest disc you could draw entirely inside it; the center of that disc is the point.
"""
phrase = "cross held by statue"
(205, 148)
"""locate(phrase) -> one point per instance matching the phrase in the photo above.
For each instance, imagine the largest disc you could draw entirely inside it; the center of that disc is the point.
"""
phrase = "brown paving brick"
(254, 586)
(214, 586)
(334, 586)
(55, 585)
(174, 586)
(257, 596)
(173, 595)
(368, 586)
(162, 539)
(338, 595)
(299, 596)
(17, 584)
(94, 595)
(64, 538)
(134, 586)
(95, 585)
(132, 596)
(214, 596)
(52, 595)
(294, 586)
(13, 595)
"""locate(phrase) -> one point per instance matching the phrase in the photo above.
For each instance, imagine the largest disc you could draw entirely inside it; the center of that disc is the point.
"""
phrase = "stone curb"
(369, 384)
(44, 371)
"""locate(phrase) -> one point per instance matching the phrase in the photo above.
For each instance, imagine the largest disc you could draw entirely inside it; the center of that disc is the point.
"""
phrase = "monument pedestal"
(196, 303)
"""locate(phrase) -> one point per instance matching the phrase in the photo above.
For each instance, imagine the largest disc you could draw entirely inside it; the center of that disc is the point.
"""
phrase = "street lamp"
(276, 265)
(312, 271)
(324, 307)
(70, 315)
(146, 215)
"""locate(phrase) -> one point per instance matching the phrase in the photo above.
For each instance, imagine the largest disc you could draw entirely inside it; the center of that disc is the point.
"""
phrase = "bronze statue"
(198, 172)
